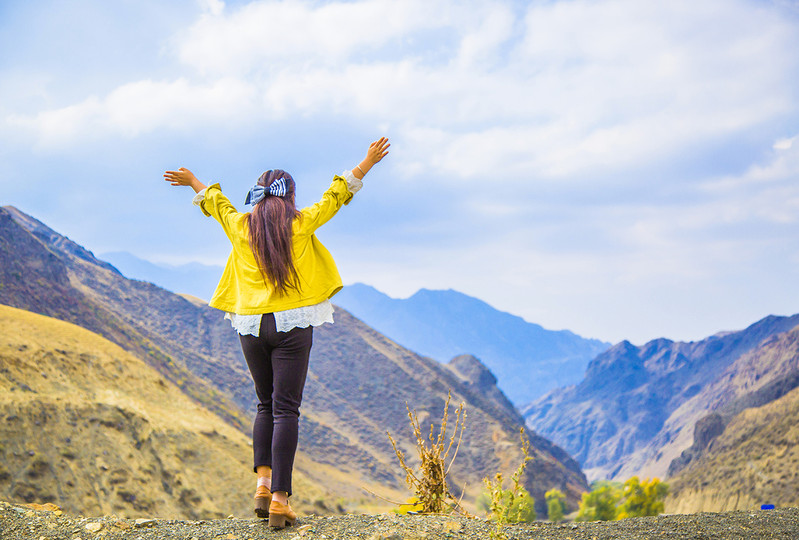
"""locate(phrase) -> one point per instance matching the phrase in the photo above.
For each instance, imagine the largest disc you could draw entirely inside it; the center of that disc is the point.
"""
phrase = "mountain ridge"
(525, 358)
(618, 416)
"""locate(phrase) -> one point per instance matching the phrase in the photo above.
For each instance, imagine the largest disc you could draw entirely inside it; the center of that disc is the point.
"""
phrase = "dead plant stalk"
(430, 482)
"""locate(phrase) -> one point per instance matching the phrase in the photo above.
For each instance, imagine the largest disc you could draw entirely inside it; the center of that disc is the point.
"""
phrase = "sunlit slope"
(90, 427)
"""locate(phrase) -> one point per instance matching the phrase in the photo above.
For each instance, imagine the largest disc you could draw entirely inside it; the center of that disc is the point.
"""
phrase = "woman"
(275, 288)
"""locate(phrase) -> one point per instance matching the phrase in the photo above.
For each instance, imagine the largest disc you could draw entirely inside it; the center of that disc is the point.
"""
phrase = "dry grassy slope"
(93, 429)
(358, 380)
(46, 273)
(754, 461)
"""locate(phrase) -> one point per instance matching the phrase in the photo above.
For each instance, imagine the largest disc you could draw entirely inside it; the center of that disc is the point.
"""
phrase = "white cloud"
(590, 116)
(264, 36)
(139, 108)
(569, 89)
(784, 144)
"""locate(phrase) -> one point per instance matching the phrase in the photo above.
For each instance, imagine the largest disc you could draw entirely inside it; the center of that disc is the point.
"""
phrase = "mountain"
(745, 448)
(358, 384)
(87, 425)
(635, 410)
(753, 461)
(527, 359)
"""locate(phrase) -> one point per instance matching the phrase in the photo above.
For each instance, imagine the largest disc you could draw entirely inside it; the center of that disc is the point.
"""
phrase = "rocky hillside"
(359, 381)
(88, 426)
(527, 359)
(745, 448)
(753, 461)
(634, 412)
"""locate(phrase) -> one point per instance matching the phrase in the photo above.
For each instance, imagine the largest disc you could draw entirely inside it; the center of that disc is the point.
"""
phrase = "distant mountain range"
(526, 359)
(358, 384)
(655, 411)
(717, 418)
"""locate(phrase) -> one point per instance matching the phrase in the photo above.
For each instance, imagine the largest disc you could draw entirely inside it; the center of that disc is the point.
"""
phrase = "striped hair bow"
(277, 188)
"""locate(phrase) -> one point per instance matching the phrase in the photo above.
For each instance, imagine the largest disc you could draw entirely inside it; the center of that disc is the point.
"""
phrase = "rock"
(94, 527)
(302, 531)
(143, 522)
(49, 507)
(124, 525)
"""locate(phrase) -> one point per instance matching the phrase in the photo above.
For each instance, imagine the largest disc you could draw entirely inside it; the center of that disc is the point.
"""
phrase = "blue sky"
(623, 169)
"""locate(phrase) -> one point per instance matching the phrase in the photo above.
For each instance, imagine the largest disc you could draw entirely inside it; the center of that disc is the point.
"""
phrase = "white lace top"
(301, 317)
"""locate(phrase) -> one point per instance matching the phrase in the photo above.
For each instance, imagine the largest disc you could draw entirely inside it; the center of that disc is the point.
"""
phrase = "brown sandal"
(263, 498)
(281, 515)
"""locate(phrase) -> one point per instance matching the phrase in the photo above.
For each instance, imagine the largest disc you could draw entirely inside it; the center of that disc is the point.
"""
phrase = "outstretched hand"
(378, 150)
(184, 177)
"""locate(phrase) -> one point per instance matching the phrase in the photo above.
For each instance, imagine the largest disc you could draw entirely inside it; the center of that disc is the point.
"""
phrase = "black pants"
(278, 362)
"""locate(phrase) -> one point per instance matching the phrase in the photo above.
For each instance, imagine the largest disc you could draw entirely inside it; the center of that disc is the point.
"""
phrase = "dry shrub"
(430, 481)
(510, 505)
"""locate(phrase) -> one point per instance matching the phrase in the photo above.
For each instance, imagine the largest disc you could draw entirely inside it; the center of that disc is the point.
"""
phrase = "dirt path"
(18, 522)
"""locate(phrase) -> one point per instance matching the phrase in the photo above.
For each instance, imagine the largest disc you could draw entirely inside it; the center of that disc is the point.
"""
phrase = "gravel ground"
(20, 522)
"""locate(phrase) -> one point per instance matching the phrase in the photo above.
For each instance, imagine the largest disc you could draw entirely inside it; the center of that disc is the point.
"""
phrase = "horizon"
(620, 169)
(163, 265)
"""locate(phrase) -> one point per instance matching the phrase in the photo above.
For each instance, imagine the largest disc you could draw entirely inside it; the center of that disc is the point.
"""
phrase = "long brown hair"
(270, 234)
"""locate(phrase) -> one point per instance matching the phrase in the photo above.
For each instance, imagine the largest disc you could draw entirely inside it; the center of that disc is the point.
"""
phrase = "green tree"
(555, 506)
(600, 503)
(642, 498)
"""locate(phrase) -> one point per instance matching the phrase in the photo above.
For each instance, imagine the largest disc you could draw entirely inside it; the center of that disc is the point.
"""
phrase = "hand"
(183, 177)
(377, 150)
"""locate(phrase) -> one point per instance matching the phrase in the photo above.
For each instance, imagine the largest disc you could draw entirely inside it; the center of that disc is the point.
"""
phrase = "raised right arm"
(377, 151)
(184, 177)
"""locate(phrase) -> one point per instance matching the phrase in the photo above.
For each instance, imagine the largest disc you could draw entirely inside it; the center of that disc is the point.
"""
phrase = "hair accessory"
(277, 188)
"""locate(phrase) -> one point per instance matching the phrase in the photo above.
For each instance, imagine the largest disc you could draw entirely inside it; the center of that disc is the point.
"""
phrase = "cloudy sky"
(623, 169)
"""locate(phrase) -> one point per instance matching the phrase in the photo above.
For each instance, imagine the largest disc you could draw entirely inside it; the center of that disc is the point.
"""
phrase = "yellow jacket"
(242, 289)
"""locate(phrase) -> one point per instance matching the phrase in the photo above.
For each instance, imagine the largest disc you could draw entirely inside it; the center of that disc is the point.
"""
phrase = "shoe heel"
(262, 512)
(279, 521)
(262, 506)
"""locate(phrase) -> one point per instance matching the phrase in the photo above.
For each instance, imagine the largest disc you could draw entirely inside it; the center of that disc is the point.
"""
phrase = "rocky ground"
(32, 522)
